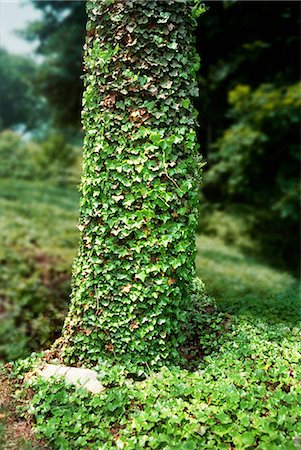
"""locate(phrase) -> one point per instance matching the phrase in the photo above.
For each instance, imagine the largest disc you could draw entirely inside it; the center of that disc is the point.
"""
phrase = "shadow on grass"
(242, 285)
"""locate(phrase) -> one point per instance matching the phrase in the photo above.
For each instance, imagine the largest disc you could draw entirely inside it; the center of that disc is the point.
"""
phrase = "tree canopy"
(18, 103)
(60, 34)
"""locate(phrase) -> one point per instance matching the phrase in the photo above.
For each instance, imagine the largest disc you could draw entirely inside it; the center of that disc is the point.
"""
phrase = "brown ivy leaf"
(91, 33)
(87, 244)
(134, 325)
(115, 231)
(171, 281)
(110, 347)
(126, 288)
(139, 115)
(87, 332)
(109, 100)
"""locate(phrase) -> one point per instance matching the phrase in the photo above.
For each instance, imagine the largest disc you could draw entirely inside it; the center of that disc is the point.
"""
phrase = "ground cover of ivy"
(245, 394)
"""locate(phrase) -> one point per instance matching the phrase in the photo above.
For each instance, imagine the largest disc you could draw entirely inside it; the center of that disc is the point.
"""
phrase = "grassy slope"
(38, 241)
(243, 286)
(248, 388)
(37, 214)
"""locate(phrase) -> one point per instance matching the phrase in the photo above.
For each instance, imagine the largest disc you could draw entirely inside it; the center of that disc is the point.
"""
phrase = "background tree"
(246, 151)
(242, 43)
(132, 280)
(60, 34)
(249, 102)
(18, 105)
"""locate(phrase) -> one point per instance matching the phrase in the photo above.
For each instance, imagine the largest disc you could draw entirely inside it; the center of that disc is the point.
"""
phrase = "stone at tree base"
(86, 378)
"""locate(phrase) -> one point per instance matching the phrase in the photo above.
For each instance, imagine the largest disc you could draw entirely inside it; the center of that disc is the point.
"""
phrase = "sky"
(14, 15)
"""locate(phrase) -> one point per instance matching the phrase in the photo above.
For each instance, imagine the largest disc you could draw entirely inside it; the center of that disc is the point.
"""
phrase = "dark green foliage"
(17, 157)
(18, 105)
(61, 35)
(34, 298)
(263, 140)
(56, 158)
(245, 395)
(251, 55)
(244, 42)
(138, 213)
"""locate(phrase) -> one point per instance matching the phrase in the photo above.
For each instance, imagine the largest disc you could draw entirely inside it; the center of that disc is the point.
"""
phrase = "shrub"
(50, 157)
(34, 293)
(17, 157)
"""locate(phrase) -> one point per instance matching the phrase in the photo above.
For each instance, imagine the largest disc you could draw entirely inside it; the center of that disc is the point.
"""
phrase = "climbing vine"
(139, 190)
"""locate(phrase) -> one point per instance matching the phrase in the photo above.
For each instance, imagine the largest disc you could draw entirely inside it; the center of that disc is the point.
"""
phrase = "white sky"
(14, 15)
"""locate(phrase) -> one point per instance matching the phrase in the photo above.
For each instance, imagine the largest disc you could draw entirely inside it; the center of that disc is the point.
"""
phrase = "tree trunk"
(139, 189)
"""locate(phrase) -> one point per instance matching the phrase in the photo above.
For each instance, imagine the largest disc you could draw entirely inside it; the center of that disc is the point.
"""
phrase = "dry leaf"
(134, 325)
(87, 332)
(126, 288)
(110, 347)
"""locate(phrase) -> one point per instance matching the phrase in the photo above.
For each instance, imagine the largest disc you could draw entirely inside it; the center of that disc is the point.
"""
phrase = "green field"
(244, 394)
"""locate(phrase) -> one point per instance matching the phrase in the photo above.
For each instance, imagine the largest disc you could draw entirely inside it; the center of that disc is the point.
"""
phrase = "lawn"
(243, 394)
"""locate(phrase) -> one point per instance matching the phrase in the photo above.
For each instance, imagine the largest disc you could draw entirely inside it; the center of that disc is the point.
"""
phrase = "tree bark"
(139, 189)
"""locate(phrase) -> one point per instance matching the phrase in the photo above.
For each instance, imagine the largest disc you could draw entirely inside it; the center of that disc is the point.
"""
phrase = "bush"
(34, 294)
(37, 242)
(17, 157)
(56, 158)
(50, 158)
(255, 166)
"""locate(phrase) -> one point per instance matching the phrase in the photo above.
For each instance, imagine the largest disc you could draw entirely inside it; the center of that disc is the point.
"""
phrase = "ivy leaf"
(126, 288)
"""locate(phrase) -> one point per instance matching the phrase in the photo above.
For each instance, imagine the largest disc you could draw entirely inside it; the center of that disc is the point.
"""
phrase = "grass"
(39, 215)
(243, 286)
(243, 395)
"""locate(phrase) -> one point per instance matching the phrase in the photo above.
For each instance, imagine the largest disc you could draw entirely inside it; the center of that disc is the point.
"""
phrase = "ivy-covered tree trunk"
(139, 191)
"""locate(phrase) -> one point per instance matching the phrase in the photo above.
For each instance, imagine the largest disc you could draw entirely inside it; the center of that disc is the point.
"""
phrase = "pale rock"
(86, 378)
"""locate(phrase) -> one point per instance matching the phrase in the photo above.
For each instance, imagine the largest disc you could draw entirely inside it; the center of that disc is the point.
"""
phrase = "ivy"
(132, 279)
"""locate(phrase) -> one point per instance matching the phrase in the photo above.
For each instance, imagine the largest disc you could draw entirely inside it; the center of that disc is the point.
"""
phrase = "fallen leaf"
(110, 100)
